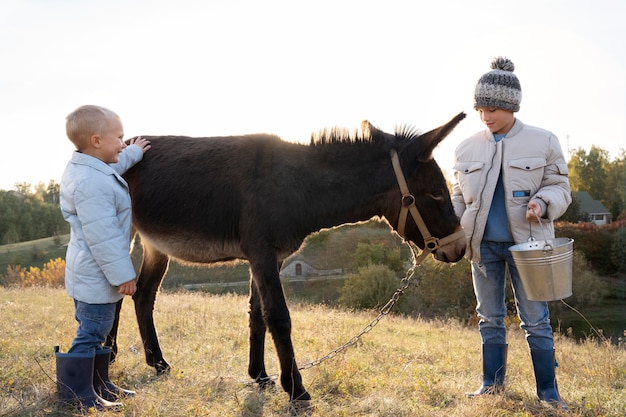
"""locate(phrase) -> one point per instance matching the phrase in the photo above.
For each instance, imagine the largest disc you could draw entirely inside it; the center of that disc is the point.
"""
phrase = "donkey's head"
(421, 210)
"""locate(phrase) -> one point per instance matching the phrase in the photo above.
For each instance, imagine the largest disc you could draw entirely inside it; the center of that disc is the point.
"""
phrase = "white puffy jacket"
(533, 168)
(95, 202)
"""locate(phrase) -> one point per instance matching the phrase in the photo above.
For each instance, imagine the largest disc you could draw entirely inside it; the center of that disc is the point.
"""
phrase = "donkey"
(257, 197)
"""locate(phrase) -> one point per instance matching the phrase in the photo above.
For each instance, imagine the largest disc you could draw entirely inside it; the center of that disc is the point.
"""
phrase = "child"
(507, 176)
(99, 272)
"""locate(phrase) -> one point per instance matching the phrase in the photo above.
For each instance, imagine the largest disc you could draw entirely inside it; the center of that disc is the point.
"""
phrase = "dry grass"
(403, 367)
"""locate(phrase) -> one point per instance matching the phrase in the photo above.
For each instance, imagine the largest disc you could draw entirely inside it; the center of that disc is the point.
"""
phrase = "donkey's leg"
(277, 319)
(111, 340)
(153, 268)
(256, 364)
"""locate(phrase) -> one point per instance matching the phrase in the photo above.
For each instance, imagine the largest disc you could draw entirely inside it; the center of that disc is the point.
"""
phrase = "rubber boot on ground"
(102, 385)
(544, 365)
(494, 370)
(75, 381)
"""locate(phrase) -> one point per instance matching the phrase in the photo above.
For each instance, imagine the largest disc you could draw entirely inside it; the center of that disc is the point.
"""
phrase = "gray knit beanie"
(499, 88)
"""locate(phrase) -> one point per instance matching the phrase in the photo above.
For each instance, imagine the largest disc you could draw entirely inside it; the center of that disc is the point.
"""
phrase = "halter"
(408, 206)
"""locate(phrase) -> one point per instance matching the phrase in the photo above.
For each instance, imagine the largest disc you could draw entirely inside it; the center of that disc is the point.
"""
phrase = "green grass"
(403, 367)
(33, 253)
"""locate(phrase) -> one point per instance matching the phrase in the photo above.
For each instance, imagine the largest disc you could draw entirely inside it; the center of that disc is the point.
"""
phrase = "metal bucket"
(545, 267)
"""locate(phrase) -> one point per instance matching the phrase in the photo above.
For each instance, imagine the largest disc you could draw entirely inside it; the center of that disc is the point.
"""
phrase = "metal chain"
(406, 282)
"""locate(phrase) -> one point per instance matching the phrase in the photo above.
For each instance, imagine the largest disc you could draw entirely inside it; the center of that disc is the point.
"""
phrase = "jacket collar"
(79, 158)
(515, 129)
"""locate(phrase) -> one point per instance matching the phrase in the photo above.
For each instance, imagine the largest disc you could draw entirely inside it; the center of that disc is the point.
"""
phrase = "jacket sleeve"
(127, 159)
(555, 189)
(97, 212)
(458, 202)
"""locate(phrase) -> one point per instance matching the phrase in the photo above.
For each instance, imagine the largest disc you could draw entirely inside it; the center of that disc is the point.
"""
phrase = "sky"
(230, 67)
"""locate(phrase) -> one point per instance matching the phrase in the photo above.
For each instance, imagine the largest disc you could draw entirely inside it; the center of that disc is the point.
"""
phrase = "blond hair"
(86, 121)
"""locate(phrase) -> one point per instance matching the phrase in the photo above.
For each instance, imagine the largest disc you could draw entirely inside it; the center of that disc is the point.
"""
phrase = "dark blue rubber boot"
(101, 382)
(75, 381)
(544, 365)
(494, 370)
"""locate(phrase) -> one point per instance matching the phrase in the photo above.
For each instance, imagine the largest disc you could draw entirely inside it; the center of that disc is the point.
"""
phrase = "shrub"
(52, 275)
(587, 287)
(595, 242)
(618, 250)
(379, 254)
(370, 287)
(443, 289)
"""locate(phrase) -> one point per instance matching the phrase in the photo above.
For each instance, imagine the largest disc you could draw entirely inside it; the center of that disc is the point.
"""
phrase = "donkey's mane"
(338, 135)
(407, 132)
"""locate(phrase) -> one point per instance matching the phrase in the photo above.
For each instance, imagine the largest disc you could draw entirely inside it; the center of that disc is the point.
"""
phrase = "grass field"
(403, 367)
(330, 250)
(33, 252)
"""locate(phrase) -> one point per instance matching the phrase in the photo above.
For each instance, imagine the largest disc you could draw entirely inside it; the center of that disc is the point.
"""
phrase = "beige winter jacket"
(533, 168)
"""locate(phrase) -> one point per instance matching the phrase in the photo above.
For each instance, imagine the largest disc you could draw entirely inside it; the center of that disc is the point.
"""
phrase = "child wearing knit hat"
(507, 177)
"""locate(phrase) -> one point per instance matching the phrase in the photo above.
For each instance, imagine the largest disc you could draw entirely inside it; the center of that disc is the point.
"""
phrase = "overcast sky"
(222, 67)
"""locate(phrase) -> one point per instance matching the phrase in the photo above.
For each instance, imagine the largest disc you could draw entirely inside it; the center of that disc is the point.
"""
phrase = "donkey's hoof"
(162, 368)
(266, 382)
(301, 407)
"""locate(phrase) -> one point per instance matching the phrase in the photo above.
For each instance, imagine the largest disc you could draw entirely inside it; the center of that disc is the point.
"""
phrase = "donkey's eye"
(437, 194)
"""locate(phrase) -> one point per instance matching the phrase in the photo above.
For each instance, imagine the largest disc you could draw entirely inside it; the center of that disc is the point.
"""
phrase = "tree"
(603, 180)
(8, 217)
(589, 172)
(616, 183)
(22, 188)
(572, 214)
(27, 215)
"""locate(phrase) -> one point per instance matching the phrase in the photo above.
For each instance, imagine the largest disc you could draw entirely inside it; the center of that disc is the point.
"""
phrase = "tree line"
(29, 213)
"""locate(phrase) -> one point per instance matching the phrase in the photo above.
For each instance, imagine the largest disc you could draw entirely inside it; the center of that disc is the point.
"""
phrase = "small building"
(298, 269)
(592, 210)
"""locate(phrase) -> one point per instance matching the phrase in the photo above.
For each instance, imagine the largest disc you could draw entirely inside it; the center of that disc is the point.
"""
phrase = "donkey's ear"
(429, 140)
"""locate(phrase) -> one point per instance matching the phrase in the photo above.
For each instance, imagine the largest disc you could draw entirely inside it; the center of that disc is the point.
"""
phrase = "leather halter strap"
(408, 206)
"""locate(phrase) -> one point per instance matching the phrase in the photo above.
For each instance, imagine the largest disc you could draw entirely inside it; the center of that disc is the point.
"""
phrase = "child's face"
(497, 120)
(111, 142)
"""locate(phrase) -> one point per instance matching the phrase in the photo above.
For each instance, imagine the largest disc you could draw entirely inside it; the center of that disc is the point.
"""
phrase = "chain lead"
(406, 282)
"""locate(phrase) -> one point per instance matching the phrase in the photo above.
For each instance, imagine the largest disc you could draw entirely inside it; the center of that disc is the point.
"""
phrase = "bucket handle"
(547, 247)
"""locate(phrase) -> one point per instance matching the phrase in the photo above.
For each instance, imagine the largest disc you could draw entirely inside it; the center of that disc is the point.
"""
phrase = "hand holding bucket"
(545, 267)
(533, 212)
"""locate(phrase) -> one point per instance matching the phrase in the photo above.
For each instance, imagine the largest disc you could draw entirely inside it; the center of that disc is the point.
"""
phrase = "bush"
(379, 254)
(370, 287)
(443, 289)
(595, 242)
(587, 287)
(52, 275)
(618, 249)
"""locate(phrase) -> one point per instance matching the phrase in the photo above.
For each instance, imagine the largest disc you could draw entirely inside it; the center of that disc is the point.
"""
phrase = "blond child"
(95, 201)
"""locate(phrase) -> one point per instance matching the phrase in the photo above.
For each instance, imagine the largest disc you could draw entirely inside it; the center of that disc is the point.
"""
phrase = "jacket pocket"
(528, 164)
(526, 174)
(469, 175)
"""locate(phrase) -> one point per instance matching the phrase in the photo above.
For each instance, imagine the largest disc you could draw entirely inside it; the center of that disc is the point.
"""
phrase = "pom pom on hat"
(499, 88)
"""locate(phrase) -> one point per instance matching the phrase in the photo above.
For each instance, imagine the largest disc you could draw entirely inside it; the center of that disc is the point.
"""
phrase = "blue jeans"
(489, 276)
(94, 324)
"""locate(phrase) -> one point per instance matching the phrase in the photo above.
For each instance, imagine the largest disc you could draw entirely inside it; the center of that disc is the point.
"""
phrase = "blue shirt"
(497, 227)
